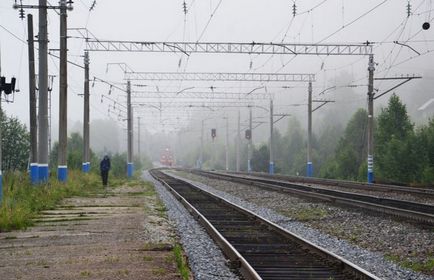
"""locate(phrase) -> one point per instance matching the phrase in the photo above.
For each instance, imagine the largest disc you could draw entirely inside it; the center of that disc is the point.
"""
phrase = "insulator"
(184, 6)
(294, 9)
(22, 16)
(408, 9)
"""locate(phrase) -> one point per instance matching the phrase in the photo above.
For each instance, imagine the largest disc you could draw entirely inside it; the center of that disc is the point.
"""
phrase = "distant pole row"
(39, 172)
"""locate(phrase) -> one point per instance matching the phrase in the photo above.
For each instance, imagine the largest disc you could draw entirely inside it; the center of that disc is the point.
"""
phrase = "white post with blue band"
(85, 167)
(34, 173)
(62, 173)
(130, 169)
(43, 172)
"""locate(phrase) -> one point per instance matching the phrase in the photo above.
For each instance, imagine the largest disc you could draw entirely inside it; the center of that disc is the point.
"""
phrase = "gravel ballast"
(205, 259)
(380, 231)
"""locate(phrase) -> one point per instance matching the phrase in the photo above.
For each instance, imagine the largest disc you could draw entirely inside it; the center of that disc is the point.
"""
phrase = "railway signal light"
(8, 88)
(248, 134)
(213, 133)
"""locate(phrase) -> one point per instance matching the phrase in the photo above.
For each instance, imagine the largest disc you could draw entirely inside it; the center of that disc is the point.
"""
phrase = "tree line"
(16, 149)
(403, 153)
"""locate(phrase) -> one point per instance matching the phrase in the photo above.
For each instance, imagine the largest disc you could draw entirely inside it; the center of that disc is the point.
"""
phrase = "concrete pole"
(201, 146)
(138, 137)
(371, 69)
(238, 142)
(309, 170)
(32, 104)
(271, 164)
(86, 117)
(1, 155)
(227, 144)
(250, 144)
(130, 164)
(62, 169)
(43, 93)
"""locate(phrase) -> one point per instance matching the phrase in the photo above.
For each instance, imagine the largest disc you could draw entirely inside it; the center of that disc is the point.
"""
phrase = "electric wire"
(209, 21)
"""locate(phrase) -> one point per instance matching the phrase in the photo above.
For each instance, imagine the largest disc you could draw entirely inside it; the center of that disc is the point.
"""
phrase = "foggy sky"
(234, 21)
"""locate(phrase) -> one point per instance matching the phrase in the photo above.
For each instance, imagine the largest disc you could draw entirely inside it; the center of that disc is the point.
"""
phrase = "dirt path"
(123, 235)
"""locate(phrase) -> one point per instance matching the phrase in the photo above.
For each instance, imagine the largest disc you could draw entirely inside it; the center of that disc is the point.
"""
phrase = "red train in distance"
(166, 157)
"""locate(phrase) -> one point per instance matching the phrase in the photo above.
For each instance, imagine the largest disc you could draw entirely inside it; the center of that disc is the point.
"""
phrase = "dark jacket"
(105, 164)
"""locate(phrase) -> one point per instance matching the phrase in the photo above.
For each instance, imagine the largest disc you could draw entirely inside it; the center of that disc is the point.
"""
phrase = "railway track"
(421, 213)
(428, 191)
(259, 249)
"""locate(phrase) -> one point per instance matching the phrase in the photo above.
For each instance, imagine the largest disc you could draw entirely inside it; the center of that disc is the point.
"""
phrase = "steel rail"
(418, 212)
(345, 184)
(265, 265)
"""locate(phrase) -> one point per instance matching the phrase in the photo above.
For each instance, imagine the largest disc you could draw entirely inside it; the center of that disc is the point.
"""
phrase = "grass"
(426, 266)
(85, 273)
(181, 263)
(159, 271)
(22, 201)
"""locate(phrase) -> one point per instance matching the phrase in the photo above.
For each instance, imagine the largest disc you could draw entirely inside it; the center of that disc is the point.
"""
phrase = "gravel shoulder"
(375, 242)
(122, 234)
(205, 259)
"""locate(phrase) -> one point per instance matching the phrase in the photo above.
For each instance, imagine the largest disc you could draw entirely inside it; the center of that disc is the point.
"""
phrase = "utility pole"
(201, 146)
(138, 137)
(32, 104)
(86, 117)
(1, 154)
(238, 142)
(130, 164)
(227, 144)
(309, 170)
(271, 164)
(250, 144)
(43, 93)
(371, 69)
(62, 169)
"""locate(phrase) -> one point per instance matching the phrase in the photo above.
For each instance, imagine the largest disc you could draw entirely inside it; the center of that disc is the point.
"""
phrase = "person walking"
(104, 166)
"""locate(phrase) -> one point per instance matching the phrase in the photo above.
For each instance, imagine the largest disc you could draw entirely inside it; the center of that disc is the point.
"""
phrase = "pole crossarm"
(187, 48)
(227, 77)
(323, 103)
(406, 80)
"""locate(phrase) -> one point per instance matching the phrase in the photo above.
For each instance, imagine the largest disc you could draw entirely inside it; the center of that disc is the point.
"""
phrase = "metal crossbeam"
(227, 77)
(236, 48)
(191, 104)
(214, 97)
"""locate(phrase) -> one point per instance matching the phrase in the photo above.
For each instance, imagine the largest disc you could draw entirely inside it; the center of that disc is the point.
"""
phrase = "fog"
(166, 118)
